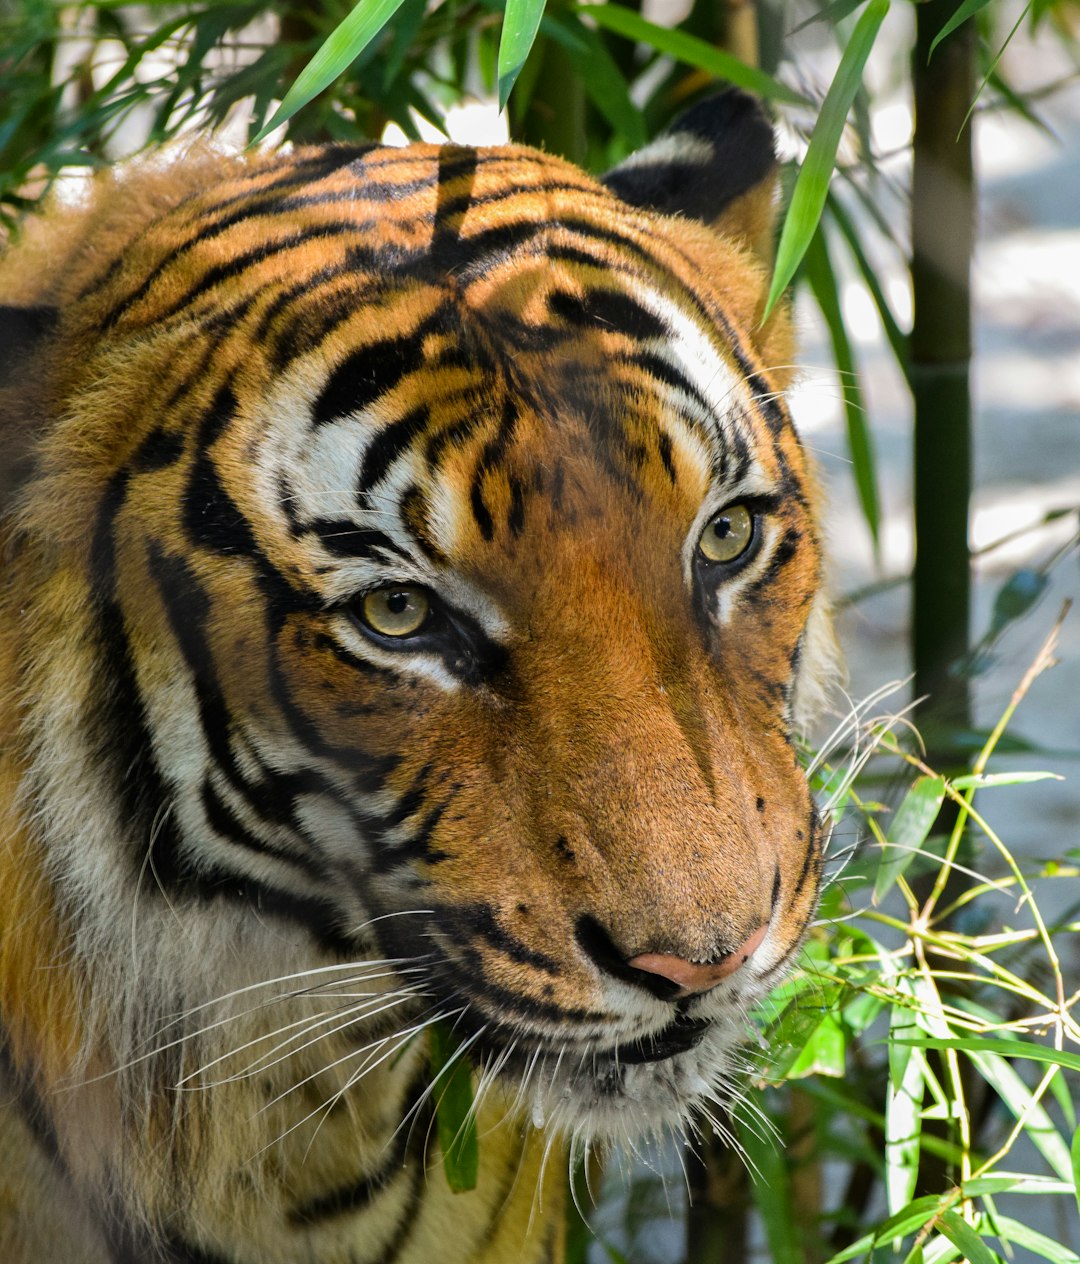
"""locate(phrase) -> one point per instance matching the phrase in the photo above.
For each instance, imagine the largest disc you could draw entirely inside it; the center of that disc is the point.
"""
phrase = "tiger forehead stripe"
(431, 190)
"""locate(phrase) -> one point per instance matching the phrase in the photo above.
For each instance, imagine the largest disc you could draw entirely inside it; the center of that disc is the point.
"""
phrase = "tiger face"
(420, 567)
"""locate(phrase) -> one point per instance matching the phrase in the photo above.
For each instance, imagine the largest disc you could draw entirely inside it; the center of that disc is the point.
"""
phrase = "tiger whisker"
(415, 1109)
(401, 1038)
(337, 1022)
(188, 1036)
(390, 968)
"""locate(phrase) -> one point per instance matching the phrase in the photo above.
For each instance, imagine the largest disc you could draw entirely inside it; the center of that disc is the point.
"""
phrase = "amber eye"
(727, 537)
(397, 611)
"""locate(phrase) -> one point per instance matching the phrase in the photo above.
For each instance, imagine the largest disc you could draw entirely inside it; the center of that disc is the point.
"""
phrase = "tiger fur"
(374, 651)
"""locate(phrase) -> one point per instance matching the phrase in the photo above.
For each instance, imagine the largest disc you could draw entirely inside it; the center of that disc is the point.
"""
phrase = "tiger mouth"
(677, 1037)
(605, 1065)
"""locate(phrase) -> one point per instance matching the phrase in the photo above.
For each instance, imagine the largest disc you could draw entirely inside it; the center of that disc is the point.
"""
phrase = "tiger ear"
(715, 163)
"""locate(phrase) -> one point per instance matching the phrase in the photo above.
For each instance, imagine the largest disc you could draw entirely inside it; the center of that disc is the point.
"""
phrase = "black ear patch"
(718, 150)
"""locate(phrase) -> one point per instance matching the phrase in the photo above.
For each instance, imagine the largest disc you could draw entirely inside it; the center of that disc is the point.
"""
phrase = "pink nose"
(690, 976)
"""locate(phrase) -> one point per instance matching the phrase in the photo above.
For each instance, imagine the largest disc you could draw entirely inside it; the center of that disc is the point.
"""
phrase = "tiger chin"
(412, 590)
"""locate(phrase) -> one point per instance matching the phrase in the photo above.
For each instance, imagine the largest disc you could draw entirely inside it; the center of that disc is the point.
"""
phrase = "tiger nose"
(693, 977)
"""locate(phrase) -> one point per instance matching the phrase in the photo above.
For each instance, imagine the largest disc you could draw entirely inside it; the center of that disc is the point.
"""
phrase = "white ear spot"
(671, 149)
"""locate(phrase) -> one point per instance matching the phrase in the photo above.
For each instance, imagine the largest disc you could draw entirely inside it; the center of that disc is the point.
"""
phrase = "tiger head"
(420, 566)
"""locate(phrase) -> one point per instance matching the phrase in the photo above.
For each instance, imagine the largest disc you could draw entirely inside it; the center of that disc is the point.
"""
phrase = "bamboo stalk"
(942, 231)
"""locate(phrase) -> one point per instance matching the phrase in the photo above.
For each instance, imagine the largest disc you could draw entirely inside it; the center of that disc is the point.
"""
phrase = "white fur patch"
(673, 148)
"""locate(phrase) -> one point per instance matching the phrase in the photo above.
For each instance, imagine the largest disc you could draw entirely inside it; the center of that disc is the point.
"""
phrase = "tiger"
(412, 601)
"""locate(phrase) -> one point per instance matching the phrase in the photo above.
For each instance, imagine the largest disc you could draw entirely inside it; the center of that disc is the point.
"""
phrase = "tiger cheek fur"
(414, 591)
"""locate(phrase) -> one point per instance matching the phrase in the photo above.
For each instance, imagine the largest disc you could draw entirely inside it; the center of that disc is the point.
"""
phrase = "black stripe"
(234, 268)
(372, 370)
(466, 981)
(812, 850)
(478, 921)
(223, 820)
(515, 518)
(252, 199)
(463, 202)
(307, 168)
(783, 554)
(416, 846)
(160, 449)
(345, 539)
(327, 924)
(119, 724)
(19, 1092)
(613, 309)
(325, 642)
(664, 447)
(388, 445)
(399, 1159)
(480, 511)
(449, 436)
(187, 607)
(656, 366)
(211, 517)
(368, 771)
(414, 514)
(320, 314)
(489, 460)
(191, 376)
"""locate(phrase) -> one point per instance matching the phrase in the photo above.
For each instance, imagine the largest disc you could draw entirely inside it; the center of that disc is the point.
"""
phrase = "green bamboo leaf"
(819, 273)
(961, 1234)
(1075, 1156)
(909, 1219)
(908, 831)
(520, 25)
(337, 53)
(691, 50)
(1016, 1183)
(823, 1053)
(454, 1115)
(1016, 1095)
(1016, 597)
(812, 184)
(898, 341)
(1019, 105)
(968, 9)
(604, 83)
(1035, 1241)
(903, 1107)
(772, 1194)
(990, 1054)
(1060, 1086)
(994, 63)
(830, 13)
(987, 780)
(1006, 1048)
(406, 28)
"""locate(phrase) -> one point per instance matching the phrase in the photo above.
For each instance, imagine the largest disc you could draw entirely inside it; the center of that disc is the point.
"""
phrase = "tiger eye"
(727, 537)
(397, 611)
